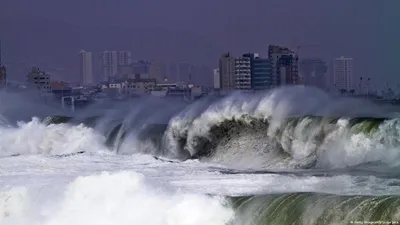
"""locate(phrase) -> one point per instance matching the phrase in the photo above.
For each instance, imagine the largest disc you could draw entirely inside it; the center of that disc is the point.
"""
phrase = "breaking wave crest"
(294, 127)
(35, 137)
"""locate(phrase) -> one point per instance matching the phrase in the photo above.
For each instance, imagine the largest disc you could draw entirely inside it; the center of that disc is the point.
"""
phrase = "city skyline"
(336, 28)
(120, 59)
(248, 71)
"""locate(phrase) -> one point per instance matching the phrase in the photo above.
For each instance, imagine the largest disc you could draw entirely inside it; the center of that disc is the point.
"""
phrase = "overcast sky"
(367, 30)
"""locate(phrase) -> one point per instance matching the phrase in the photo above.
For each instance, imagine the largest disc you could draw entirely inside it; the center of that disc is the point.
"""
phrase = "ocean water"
(289, 156)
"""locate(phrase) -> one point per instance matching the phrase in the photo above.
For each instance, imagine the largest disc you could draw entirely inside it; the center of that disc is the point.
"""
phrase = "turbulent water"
(289, 156)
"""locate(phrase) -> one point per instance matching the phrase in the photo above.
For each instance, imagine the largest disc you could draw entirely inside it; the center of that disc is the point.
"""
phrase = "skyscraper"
(109, 64)
(227, 72)
(253, 72)
(111, 61)
(261, 76)
(86, 67)
(313, 72)
(3, 77)
(243, 72)
(343, 79)
(217, 79)
(3, 72)
(124, 58)
(284, 64)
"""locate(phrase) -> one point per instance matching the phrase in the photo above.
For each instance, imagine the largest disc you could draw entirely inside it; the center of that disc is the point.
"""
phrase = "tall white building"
(243, 73)
(343, 79)
(86, 67)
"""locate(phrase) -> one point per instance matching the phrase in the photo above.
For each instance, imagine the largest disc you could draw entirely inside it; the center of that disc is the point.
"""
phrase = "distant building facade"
(253, 73)
(141, 67)
(111, 61)
(3, 77)
(109, 64)
(314, 73)
(261, 74)
(227, 72)
(343, 75)
(3, 72)
(243, 73)
(158, 71)
(40, 81)
(284, 65)
(217, 79)
(124, 58)
(86, 67)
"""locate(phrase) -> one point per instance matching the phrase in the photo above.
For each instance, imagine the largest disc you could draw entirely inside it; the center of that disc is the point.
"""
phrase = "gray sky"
(188, 30)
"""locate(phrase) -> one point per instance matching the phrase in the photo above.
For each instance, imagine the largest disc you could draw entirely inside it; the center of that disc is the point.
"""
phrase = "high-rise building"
(124, 58)
(243, 72)
(217, 79)
(39, 80)
(86, 67)
(109, 64)
(227, 72)
(343, 79)
(284, 64)
(3, 77)
(253, 72)
(261, 74)
(111, 61)
(3, 72)
(314, 73)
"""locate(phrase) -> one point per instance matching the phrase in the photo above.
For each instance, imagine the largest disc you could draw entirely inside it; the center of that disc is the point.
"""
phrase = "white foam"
(109, 199)
(303, 143)
(35, 137)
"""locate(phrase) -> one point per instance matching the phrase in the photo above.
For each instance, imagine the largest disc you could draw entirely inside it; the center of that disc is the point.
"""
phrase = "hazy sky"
(367, 30)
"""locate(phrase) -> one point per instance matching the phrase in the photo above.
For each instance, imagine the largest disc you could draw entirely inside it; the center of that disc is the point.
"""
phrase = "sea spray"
(112, 198)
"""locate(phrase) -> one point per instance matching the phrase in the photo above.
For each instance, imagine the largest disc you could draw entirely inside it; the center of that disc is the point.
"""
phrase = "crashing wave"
(36, 137)
(285, 128)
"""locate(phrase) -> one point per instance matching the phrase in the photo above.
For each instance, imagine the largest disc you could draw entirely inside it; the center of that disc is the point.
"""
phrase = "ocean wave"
(292, 127)
(109, 198)
(35, 137)
(311, 208)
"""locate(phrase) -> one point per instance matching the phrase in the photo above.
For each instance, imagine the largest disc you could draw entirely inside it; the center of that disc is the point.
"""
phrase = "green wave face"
(314, 209)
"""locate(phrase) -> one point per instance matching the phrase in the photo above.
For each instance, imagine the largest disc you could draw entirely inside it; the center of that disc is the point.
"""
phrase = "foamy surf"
(121, 198)
(270, 158)
(35, 137)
